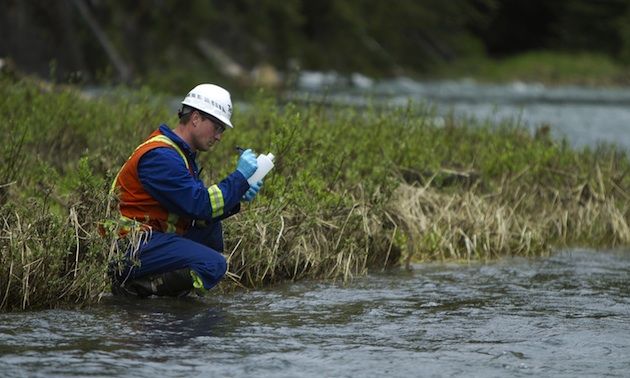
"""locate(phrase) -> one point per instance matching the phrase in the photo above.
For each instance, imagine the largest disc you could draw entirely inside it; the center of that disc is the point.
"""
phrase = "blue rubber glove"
(247, 163)
(252, 191)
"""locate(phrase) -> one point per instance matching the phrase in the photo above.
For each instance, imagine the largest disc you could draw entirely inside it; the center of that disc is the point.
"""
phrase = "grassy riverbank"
(353, 190)
(547, 67)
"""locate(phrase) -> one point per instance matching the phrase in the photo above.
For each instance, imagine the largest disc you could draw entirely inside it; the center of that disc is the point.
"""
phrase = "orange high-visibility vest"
(135, 203)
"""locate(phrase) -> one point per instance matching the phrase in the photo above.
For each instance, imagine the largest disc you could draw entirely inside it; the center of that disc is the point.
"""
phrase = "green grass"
(353, 190)
(542, 67)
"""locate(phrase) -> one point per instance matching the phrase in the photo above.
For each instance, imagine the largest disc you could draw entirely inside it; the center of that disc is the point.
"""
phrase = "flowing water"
(563, 316)
(584, 116)
(566, 315)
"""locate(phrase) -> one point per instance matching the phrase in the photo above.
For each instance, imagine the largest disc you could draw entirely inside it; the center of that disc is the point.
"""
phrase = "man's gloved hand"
(252, 191)
(247, 163)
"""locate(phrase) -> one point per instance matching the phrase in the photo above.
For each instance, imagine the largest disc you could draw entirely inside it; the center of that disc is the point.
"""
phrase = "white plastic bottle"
(265, 163)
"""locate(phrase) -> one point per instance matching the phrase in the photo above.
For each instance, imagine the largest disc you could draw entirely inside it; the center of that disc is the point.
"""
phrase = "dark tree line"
(125, 39)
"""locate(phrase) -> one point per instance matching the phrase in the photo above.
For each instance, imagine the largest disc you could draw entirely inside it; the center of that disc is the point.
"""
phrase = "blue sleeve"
(164, 175)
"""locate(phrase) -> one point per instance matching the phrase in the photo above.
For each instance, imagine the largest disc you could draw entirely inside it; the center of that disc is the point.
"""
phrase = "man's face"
(207, 132)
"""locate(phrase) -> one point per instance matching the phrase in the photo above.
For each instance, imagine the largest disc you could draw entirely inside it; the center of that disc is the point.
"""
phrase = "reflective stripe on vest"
(157, 138)
(123, 226)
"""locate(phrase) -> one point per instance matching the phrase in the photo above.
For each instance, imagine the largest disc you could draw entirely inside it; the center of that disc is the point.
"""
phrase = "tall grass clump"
(58, 157)
(353, 190)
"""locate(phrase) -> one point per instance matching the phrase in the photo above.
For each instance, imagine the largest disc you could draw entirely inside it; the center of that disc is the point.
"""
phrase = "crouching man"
(179, 218)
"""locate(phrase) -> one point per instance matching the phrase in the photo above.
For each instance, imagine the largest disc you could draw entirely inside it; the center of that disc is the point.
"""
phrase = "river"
(585, 116)
(566, 315)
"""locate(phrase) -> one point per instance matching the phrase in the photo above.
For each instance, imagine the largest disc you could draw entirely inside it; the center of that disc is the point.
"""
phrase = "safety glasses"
(218, 126)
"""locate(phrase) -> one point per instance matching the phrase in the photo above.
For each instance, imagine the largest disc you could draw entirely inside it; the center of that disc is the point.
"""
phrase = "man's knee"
(212, 270)
(220, 265)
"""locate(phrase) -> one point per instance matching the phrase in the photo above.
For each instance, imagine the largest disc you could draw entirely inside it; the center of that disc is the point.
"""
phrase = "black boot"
(177, 283)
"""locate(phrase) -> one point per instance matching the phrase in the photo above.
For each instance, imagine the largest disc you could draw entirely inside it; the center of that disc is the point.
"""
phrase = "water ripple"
(562, 316)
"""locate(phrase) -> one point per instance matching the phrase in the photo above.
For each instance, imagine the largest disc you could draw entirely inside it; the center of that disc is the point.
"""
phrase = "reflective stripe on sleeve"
(216, 201)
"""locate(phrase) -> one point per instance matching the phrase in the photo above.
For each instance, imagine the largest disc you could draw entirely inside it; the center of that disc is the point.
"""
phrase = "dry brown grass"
(469, 225)
(289, 244)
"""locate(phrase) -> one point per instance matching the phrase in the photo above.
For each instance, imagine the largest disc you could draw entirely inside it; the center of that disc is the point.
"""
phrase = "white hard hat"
(211, 99)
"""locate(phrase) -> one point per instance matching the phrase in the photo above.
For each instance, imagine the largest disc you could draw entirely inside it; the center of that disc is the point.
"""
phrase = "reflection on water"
(563, 316)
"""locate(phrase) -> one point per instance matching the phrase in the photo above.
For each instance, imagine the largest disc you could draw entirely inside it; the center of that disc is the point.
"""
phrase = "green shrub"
(353, 190)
